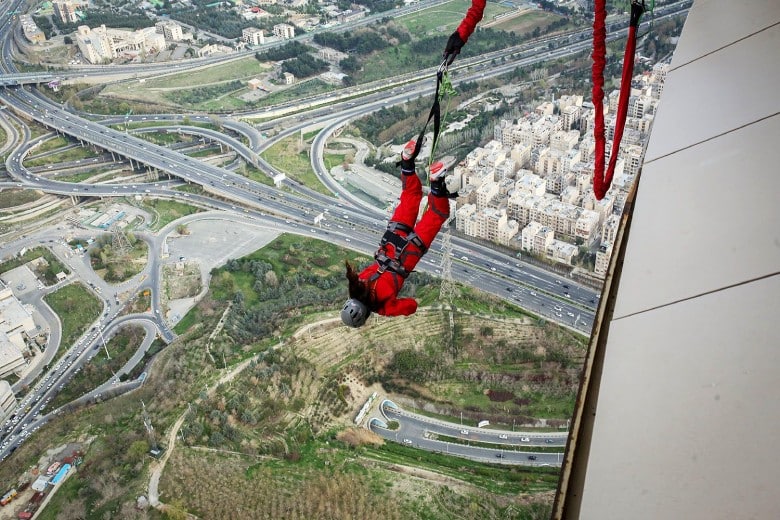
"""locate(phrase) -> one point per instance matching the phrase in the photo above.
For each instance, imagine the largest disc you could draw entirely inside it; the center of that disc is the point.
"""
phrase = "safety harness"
(395, 263)
(602, 181)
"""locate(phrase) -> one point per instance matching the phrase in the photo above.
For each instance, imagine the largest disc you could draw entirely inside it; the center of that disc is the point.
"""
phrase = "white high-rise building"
(170, 30)
(284, 31)
(253, 36)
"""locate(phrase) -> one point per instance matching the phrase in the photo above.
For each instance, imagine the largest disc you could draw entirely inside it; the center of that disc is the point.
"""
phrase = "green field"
(82, 176)
(444, 18)
(289, 156)
(77, 308)
(244, 68)
(166, 211)
(71, 154)
(50, 144)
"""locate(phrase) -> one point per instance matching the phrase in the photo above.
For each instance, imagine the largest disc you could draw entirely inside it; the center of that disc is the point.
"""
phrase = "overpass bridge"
(30, 78)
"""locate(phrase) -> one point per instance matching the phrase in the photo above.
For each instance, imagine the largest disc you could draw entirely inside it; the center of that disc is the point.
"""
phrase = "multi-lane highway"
(481, 444)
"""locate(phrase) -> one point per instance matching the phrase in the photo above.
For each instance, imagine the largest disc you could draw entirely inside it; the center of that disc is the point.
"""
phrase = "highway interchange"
(289, 206)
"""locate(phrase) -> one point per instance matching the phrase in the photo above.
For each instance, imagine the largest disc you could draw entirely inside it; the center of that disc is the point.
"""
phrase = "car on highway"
(502, 436)
(464, 432)
(525, 439)
(532, 457)
(407, 441)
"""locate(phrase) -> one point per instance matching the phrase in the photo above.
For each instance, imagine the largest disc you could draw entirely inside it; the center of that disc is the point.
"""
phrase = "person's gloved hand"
(453, 47)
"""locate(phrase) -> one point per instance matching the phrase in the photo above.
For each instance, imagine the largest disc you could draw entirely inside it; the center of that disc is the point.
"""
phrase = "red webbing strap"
(602, 181)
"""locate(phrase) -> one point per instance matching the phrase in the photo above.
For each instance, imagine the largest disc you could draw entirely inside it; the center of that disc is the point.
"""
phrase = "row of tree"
(284, 52)
(358, 42)
(304, 66)
(201, 94)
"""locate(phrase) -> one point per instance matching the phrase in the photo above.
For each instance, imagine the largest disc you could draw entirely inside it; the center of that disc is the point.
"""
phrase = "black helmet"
(355, 313)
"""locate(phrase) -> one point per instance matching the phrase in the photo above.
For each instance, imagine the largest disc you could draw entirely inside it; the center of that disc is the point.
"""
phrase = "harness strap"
(435, 114)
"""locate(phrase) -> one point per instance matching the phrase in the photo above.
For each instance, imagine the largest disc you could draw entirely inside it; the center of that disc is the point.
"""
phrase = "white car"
(503, 436)
(464, 432)
(525, 439)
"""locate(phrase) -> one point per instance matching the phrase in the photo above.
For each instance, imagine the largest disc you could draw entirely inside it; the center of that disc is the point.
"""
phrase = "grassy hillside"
(276, 439)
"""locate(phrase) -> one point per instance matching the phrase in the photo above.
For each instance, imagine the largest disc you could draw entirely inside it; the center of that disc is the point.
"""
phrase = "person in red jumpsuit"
(461, 35)
(375, 289)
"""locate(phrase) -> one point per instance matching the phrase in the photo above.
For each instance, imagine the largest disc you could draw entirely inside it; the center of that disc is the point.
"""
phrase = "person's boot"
(441, 168)
(439, 189)
(438, 175)
(407, 155)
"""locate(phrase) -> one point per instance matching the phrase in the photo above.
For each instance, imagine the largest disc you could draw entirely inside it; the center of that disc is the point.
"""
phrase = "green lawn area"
(244, 68)
(206, 152)
(80, 177)
(37, 130)
(51, 144)
(225, 102)
(191, 188)
(252, 173)
(288, 156)
(527, 22)
(166, 211)
(444, 18)
(77, 308)
(161, 138)
(71, 154)
(333, 159)
(299, 90)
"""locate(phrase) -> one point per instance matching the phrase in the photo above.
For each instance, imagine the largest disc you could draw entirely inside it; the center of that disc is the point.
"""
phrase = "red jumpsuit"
(385, 285)
(472, 18)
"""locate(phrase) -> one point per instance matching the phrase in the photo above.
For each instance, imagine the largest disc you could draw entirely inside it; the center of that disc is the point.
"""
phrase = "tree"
(137, 450)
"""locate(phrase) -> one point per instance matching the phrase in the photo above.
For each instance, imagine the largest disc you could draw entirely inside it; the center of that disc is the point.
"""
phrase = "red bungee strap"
(602, 181)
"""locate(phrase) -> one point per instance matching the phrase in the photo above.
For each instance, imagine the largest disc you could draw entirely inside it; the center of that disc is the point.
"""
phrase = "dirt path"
(158, 466)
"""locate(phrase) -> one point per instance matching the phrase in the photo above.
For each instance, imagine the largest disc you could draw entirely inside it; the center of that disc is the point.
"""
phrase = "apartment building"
(486, 192)
(602, 259)
(610, 228)
(284, 31)
(564, 140)
(535, 238)
(95, 44)
(253, 36)
(66, 11)
(462, 214)
(171, 31)
(550, 155)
